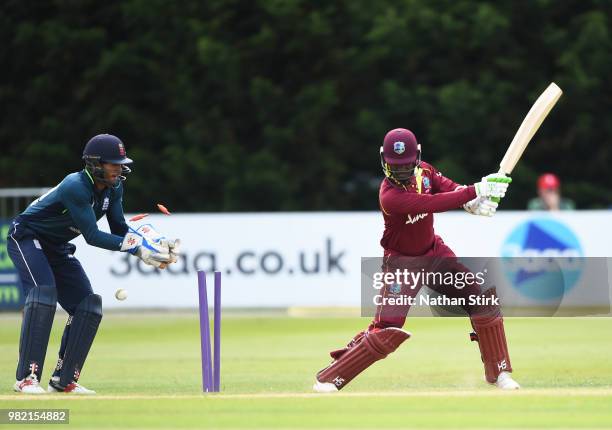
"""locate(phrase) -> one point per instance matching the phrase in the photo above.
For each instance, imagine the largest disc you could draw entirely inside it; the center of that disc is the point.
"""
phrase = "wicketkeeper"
(38, 244)
(410, 194)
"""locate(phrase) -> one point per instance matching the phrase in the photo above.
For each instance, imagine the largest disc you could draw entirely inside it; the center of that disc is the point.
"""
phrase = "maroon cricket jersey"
(408, 210)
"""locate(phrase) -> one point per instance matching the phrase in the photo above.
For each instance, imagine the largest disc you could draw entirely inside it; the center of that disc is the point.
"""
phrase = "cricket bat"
(528, 128)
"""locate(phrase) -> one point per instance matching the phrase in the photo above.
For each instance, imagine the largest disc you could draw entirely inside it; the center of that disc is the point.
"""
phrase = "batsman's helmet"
(400, 155)
(105, 148)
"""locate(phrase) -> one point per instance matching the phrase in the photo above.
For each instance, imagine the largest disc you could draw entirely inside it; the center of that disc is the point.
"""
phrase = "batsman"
(411, 192)
(39, 246)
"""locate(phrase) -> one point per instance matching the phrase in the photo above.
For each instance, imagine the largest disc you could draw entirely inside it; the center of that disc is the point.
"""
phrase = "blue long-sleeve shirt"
(73, 207)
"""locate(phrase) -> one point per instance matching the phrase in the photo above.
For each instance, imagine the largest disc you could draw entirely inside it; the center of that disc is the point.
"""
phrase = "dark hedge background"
(282, 105)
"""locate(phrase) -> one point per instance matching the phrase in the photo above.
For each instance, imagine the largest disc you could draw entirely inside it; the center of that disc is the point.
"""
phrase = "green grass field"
(146, 369)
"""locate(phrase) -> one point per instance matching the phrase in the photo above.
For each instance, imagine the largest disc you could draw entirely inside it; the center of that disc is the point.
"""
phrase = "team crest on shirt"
(426, 182)
(399, 147)
(105, 204)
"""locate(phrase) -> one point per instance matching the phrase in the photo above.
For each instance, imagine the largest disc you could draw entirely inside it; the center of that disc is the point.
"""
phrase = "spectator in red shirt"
(549, 195)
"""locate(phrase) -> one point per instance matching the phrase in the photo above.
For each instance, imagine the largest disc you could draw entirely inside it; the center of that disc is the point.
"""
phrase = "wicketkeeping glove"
(152, 235)
(154, 254)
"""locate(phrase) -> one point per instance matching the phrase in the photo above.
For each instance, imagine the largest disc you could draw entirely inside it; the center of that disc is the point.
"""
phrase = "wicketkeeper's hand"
(493, 185)
(150, 247)
(152, 235)
(481, 206)
(148, 231)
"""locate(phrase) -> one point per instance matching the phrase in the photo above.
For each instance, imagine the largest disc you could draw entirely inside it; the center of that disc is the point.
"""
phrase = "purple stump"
(207, 377)
(217, 333)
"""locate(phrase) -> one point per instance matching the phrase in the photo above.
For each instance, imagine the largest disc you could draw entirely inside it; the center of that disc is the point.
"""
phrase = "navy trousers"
(39, 262)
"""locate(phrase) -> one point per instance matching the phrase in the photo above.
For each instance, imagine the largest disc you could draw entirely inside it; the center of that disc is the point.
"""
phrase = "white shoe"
(73, 387)
(29, 385)
(324, 387)
(505, 382)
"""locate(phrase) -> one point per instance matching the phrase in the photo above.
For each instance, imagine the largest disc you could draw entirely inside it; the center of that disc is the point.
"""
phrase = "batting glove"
(493, 185)
(481, 206)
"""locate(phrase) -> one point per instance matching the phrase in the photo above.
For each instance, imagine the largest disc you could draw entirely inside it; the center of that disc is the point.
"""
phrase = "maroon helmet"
(400, 155)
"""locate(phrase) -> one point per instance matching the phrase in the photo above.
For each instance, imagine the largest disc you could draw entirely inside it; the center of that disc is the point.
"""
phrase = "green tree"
(282, 104)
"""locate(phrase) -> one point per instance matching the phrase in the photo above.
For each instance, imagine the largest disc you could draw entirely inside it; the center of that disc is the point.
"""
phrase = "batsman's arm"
(442, 184)
(400, 202)
(81, 212)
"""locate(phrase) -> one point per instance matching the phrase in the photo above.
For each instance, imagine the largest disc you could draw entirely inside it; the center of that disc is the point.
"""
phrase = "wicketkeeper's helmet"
(105, 148)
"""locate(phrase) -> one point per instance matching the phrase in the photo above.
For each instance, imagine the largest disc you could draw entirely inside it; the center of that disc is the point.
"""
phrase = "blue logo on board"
(542, 259)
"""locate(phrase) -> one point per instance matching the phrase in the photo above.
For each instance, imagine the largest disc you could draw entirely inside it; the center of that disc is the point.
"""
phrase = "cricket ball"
(121, 294)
